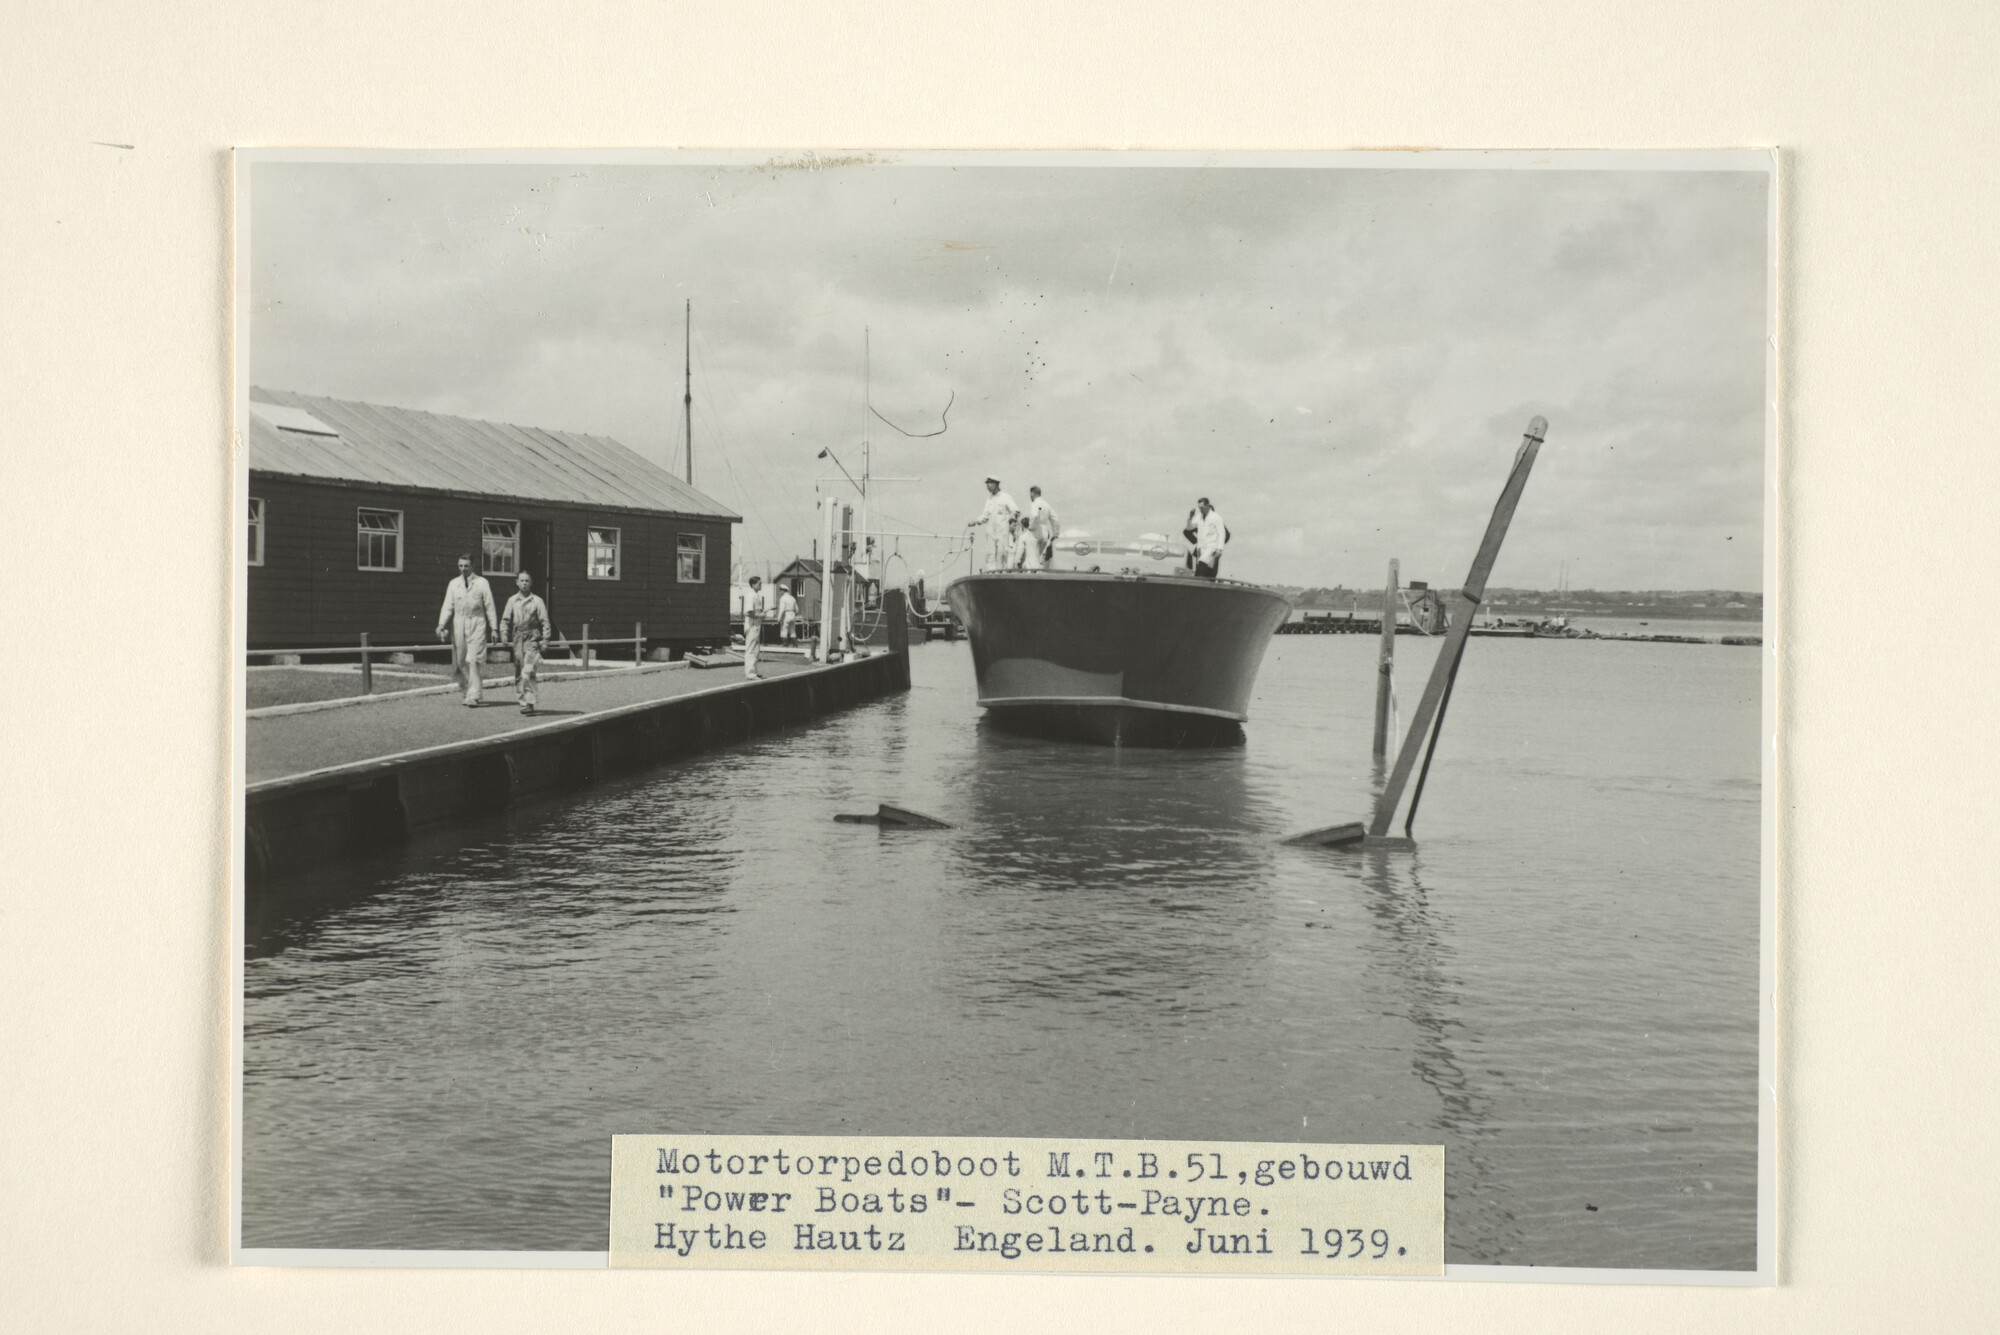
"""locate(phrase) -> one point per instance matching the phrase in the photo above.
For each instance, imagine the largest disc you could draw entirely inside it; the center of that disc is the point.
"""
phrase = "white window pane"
(601, 557)
(691, 548)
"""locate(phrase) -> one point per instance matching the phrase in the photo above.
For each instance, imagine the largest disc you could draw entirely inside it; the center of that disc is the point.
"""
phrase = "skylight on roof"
(291, 419)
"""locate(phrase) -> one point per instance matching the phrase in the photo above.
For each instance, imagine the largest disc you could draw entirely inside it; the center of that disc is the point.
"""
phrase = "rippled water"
(1560, 984)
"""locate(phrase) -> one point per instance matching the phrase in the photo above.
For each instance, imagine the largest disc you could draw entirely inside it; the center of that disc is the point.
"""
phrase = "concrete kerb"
(513, 737)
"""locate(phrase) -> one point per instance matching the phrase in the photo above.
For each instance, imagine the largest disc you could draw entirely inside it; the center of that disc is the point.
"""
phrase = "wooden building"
(804, 577)
(358, 514)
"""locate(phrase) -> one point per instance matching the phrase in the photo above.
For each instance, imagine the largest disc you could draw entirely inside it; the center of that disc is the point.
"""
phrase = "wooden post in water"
(826, 627)
(1445, 669)
(1385, 666)
(367, 668)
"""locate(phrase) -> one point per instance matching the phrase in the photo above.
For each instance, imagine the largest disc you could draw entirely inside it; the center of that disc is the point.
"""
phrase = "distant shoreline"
(1751, 615)
(1538, 611)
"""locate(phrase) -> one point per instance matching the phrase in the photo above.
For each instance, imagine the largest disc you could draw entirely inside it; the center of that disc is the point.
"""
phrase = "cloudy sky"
(1342, 359)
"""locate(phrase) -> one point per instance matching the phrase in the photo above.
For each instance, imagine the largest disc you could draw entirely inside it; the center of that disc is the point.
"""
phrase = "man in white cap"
(467, 619)
(1045, 528)
(788, 614)
(999, 506)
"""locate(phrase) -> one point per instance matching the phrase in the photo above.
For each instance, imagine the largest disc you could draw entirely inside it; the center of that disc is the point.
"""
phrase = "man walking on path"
(525, 627)
(1210, 534)
(1045, 527)
(999, 507)
(467, 620)
(753, 625)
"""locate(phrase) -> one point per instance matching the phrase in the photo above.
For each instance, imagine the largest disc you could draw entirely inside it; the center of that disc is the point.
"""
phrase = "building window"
(256, 531)
(602, 553)
(379, 539)
(501, 541)
(693, 565)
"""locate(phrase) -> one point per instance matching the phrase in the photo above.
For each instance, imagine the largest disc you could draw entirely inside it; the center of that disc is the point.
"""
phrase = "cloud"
(1344, 359)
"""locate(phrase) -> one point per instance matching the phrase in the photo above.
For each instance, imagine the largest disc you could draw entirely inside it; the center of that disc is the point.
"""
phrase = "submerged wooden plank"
(1331, 836)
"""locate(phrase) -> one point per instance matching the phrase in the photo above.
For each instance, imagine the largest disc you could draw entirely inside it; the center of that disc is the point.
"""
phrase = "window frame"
(590, 545)
(257, 513)
(485, 557)
(700, 552)
(362, 533)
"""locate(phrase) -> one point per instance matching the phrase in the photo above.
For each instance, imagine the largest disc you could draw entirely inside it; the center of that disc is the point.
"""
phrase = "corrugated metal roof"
(402, 447)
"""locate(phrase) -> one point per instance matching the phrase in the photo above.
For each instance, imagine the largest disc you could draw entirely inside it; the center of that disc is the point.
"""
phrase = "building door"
(537, 548)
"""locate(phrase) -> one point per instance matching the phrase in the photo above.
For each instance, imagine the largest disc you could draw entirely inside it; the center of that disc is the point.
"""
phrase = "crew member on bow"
(1021, 548)
(1210, 535)
(999, 507)
(1045, 527)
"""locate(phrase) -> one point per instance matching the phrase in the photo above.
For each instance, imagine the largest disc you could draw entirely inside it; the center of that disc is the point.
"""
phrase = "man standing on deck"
(467, 620)
(526, 628)
(1020, 546)
(1210, 534)
(999, 506)
(753, 625)
(788, 615)
(1045, 527)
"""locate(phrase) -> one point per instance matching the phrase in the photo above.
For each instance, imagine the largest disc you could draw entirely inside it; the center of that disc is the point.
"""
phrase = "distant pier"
(1332, 625)
(1513, 630)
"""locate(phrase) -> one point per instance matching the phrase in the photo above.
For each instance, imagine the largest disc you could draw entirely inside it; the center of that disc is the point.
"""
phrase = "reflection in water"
(1116, 882)
(1411, 954)
(439, 1043)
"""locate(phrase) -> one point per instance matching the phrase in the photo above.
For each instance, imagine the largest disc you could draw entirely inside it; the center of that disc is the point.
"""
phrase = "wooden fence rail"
(369, 652)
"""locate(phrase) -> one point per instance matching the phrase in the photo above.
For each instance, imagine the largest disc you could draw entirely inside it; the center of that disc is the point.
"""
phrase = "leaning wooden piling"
(1444, 671)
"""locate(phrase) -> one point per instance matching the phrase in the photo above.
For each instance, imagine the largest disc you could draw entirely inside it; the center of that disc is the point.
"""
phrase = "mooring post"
(638, 643)
(367, 668)
(1386, 662)
(896, 624)
(1445, 670)
(586, 646)
(826, 626)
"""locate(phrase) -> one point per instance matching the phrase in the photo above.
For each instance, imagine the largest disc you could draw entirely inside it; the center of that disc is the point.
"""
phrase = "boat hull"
(1131, 660)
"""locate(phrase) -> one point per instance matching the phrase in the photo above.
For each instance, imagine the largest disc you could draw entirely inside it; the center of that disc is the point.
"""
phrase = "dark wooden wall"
(309, 593)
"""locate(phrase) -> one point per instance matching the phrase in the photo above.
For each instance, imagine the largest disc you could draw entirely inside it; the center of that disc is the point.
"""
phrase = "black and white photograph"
(1246, 647)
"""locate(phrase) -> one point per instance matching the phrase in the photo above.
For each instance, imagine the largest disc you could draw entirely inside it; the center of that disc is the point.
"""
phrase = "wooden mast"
(687, 384)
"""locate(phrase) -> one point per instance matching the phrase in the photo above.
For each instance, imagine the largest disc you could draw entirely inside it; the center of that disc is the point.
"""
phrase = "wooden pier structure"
(335, 783)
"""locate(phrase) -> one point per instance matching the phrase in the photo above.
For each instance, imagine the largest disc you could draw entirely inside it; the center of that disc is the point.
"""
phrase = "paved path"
(283, 745)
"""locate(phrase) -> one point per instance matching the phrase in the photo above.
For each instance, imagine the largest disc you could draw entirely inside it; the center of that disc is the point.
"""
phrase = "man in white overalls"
(467, 620)
(525, 626)
(753, 625)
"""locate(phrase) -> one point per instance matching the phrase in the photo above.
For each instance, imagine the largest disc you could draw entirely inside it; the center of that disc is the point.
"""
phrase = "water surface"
(1560, 984)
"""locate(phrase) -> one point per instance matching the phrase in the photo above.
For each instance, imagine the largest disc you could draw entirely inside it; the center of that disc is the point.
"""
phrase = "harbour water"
(1560, 984)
